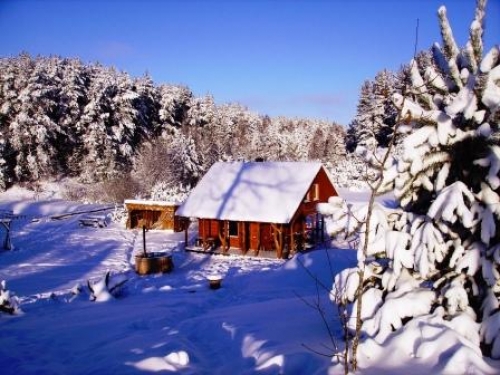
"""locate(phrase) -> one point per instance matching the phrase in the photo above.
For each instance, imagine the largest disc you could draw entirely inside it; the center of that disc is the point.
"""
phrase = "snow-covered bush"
(119, 214)
(348, 171)
(114, 190)
(8, 302)
(165, 192)
(107, 288)
(440, 248)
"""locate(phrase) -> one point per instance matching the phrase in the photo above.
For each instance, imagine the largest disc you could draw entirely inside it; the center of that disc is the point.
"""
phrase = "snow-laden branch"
(453, 203)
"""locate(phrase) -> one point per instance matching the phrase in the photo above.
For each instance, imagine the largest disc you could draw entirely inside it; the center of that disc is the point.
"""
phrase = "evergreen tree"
(374, 122)
(146, 108)
(360, 129)
(6, 162)
(384, 112)
(441, 245)
(351, 139)
(187, 163)
(94, 139)
(72, 100)
(174, 103)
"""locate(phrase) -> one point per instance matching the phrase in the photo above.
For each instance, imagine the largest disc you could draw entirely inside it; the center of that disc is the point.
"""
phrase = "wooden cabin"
(259, 208)
(154, 215)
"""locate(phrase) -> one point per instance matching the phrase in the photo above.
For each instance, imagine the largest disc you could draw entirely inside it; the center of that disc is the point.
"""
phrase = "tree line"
(62, 117)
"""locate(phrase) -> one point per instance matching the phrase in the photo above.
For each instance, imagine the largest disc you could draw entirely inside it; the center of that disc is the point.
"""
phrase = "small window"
(315, 192)
(233, 228)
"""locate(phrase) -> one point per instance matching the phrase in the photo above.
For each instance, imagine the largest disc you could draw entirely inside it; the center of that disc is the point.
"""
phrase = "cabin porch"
(268, 254)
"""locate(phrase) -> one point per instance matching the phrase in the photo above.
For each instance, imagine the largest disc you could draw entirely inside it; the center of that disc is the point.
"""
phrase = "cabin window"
(313, 193)
(233, 228)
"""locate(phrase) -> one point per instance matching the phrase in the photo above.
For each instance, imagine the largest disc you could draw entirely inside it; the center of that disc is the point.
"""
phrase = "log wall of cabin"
(241, 240)
(208, 228)
(265, 236)
(252, 236)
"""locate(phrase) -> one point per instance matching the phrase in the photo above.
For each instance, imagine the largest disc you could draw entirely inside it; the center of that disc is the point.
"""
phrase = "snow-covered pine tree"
(384, 111)
(11, 80)
(201, 111)
(72, 99)
(146, 108)
(186, 162)
(6, 162)
(28, 97)
(94, 141)
(123, 120)
(438, 253)
(355, 131)
(47, 135)
(110, 134)
(173, 103)
(351, 139)
(33, 129)
(375, 117)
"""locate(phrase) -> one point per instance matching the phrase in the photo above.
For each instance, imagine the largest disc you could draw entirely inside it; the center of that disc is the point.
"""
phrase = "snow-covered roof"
(151, 203)
(251, 191)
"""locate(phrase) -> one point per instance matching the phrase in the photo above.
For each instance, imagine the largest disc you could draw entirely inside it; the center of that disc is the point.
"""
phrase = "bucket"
(214, 281)
(153, 263)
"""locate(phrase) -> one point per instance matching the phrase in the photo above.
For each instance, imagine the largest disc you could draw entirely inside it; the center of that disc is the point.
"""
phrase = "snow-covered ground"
(260, 321)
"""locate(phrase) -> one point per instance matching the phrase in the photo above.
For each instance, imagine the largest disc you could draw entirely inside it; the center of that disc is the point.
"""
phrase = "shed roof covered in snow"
(251, 191)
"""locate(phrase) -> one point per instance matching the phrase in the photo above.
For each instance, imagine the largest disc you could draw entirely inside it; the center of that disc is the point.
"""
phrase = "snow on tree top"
(255, 191)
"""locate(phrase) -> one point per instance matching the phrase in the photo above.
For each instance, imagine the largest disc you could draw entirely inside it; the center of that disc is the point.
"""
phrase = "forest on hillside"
(60, 117)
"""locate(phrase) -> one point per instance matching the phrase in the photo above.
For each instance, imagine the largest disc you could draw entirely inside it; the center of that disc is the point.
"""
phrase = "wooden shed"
(259, 208)
(154, 215)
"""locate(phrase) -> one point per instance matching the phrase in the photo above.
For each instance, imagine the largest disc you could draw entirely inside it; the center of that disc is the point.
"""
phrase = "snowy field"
(259, 322)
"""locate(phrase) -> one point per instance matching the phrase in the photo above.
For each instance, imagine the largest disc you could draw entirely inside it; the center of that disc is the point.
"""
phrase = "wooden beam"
(292, 236)
(242, 233)
(222, 235)
(186, 237)
(281, 241)
(278, 239)
(258, 239)
(201, 229)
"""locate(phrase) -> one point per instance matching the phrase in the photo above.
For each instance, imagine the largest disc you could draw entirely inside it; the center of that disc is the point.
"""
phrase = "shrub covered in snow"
(8, 302)
(166, 192)
(107, 288)
(439, 250)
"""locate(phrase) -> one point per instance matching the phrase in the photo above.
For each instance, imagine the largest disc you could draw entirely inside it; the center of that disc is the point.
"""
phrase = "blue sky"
(294, 58)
